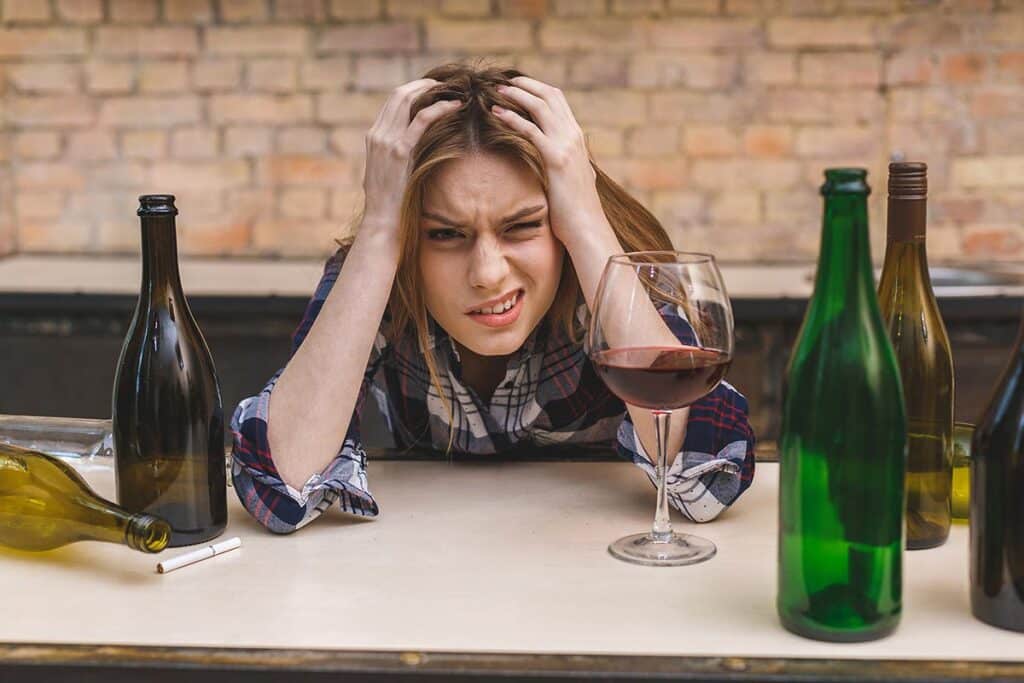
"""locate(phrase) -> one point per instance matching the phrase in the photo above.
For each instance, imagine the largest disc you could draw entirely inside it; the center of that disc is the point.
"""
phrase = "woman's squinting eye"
(443, 234)
(526, 226)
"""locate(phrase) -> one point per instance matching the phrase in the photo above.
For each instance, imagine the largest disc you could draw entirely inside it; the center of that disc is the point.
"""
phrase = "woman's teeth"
(499, 308)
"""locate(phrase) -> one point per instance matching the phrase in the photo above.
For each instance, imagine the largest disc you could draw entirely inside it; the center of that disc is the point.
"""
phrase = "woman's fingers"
(554, 97)
(427, 116)
(528, 128)
(538, 108)
(395, 111)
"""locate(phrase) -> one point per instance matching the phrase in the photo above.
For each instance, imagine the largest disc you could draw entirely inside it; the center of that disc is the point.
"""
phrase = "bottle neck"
(844, 263)
(159, 256)
(113, 524)
(906, 220)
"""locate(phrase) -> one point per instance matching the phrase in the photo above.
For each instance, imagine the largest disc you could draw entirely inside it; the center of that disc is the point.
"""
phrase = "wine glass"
(661, 338)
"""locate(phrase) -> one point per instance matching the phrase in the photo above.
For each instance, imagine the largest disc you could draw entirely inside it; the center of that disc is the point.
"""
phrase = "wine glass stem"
(662, 529)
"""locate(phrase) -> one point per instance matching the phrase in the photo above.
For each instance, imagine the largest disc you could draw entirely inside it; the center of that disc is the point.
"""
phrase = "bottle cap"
(845, 181)
(908, 180)
(157, 205)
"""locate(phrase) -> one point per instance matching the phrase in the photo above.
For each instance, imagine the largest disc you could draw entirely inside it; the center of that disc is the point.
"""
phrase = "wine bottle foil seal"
(908, 195)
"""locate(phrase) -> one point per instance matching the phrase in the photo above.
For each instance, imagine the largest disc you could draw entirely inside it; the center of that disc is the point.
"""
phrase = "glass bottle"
(168, 421)
(45, 504)
(997, 502)
(919, 339)
(843, 443)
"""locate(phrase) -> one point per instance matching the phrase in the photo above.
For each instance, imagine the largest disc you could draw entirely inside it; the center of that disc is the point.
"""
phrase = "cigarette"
(198, 555)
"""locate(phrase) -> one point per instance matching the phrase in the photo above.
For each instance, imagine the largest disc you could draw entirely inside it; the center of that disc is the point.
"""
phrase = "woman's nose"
(488, 267)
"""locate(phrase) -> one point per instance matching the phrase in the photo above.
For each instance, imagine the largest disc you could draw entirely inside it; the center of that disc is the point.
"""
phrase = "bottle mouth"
(908, 180)
(148, 533)
(157, 205)
(845, 181)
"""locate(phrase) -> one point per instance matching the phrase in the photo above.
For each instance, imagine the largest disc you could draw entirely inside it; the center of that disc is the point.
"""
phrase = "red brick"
(623, 35)
(638, 8)
(921, 30)
(228, 233)
(697, 71)
(189, 11)
(348, 10)
(217, 75)
(49, 176)
(997, 103)
(964, 68)
(736, 207)
(301, 140)
(303, 202)
(1004, 29)
(26, 11)
(276, 40)
(466, 8)
(909, 68)
(839, 141)
(110, 78)
(242, 141)
(596, 69)
(65, 235)
(1006, 136)
(146, 112)
(293, 237)
(700, 107)
(44, 77)
(272, 75)
(841, 70)
(765, 174)
(831, 33)
(195, 143)
(579, 8)
(609, 107)
(648, 174)
(260, 108)
(304, 170)
(348, 107)
(524, 9)
(492, 36)
(710, 141)
(1010, 67)
(768, 141)
(326, 74)
(691, 34)
(653, 141)
(375, 74)
(174, 176)
(243, 10)
(998, 241)
(37, 112)
(544, 67)
(147, 42)
(119, 174)
(144, 144)
(956, 210)
(133, 11)
(93, 145)
(695, 7)
(36, 145)
(299, 10)
(163, 77)
(80, 11)
(994, 171)
(605, 142)
(39, 204)
(42, 42)
(770, 68)
(346, 204)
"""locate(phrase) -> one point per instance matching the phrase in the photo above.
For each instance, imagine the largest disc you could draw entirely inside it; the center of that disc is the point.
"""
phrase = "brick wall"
(719, 114)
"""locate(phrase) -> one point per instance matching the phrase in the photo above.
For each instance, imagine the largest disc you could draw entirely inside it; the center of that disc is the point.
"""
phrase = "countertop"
(497, 557)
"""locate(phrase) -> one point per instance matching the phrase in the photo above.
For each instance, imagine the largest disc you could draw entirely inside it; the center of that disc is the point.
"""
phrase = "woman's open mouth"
(502, 313)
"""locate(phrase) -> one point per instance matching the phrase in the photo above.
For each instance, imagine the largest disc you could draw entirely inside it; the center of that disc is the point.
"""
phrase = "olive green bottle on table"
(168, 421)
(919, 339)
(997, 502)
(45, 504)
(842, 448)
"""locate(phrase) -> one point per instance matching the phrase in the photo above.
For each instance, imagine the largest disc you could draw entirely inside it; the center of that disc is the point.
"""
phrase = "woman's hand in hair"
(389, 144)
(573, 200)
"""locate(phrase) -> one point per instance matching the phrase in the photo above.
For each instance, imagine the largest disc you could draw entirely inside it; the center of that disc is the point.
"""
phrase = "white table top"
(502, 557)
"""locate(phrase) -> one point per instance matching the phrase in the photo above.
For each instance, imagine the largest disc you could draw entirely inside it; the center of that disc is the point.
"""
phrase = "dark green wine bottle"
(843, 443)
(919, 339)
(45, 504)
(168, 421)
(997, 502)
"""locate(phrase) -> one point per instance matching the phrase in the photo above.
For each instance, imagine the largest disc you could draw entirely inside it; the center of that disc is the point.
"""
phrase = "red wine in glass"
(661, 377)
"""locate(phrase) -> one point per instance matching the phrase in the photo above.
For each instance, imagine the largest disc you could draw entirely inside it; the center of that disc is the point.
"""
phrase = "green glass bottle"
(843, 443)
(997, 502)
(919, 339)
(45, 504)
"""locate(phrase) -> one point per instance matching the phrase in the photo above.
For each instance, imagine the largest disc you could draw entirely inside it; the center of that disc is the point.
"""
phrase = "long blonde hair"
(473, 128)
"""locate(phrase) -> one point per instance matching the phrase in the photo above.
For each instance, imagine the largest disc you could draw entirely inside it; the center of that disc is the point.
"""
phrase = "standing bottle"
(168, 421)
(843, 444)
(45, 504)
(919, 339)
(997, 502)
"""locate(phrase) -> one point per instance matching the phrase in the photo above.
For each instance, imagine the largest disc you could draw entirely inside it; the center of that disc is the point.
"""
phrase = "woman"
(459, 303)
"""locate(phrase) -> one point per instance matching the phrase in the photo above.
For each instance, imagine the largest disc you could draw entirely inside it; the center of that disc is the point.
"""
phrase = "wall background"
(719, 114)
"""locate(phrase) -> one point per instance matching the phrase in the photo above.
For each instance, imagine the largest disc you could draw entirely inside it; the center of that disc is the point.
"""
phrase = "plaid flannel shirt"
(551, 394)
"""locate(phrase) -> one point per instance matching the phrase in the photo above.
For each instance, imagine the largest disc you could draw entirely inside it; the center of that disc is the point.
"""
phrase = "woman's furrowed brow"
(521, 213)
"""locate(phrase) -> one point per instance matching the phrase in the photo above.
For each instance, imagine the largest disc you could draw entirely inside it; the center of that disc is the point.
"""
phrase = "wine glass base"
(678, 550)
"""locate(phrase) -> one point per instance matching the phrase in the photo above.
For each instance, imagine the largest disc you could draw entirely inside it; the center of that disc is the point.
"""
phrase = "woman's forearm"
(314, 398)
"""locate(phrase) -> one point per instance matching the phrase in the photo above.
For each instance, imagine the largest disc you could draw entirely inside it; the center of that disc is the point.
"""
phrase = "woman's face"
(489, 263)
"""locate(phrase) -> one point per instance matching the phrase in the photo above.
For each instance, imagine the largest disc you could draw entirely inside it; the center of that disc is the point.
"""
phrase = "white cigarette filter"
(198, 555)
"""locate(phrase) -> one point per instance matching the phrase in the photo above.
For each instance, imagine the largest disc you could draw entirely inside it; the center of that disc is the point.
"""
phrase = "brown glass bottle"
(45, 504)
(919, 338)
(168, 421)
(997, 502)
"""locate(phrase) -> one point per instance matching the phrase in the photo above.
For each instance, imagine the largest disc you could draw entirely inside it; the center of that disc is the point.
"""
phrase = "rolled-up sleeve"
(273, 503)
(716, 463)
